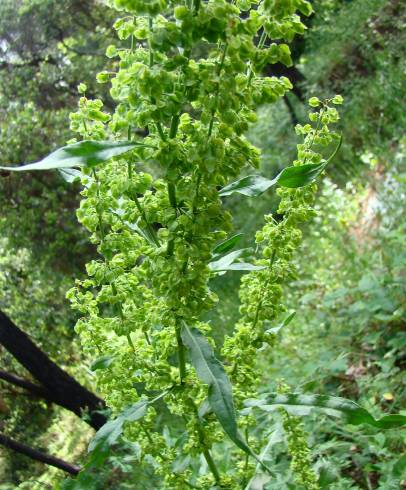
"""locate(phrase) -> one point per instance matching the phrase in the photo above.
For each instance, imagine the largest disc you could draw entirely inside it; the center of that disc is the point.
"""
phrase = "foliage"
(149, 219)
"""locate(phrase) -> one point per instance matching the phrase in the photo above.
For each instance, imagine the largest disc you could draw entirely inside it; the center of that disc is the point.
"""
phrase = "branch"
(38, 455)
(63, 389)
(5, 65)
(37, 390)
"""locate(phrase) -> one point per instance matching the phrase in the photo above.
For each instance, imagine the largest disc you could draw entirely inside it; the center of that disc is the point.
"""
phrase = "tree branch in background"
(38, 455)
(62, 388)
(36, 390)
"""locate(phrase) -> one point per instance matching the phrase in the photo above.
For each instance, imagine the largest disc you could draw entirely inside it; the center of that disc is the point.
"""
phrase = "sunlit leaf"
(220, 395)
(351, 412)
(227, 245)
(290, 177)
(102, 362)
(82, 154)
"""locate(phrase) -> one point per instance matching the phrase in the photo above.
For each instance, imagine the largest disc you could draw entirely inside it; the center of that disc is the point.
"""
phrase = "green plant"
(192, 75)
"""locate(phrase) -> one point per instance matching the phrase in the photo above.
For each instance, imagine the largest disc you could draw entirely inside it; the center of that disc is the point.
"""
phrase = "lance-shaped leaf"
(227, 263)
(81, 154)
(108, 435)
(227, 245)
(351, 412)
(251, 186)
(220, 395)
(102, 362)
(70, 174)
(291, 177)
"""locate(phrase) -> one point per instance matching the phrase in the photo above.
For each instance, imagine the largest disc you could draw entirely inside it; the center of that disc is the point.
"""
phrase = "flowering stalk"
(185, 79)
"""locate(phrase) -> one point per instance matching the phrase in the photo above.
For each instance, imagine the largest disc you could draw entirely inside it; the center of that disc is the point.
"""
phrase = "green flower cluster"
(190, 79)
(261, 290)
(301, 462)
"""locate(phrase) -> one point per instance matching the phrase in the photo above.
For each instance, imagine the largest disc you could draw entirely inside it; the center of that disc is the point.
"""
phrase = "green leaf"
(102, 362)
(108, 435)
(293, 177)
(220, 395)
(285, 322)
(85, 153)
(227, 245)
(290, 177)
(211, 372)
(251, 186)
(242, 266)
(399, 468)
(336, 406)
(227, 263)
(70, 174)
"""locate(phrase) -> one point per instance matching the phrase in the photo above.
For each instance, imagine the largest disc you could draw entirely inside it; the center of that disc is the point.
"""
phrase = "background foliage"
(348, 337)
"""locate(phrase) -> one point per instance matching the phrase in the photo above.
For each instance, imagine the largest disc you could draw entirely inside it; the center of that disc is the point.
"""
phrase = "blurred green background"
(348, 337)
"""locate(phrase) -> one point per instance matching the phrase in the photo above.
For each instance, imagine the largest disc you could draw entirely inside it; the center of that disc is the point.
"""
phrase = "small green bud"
(337, 99)
(82, 87)
(181, 12)
(111, 51)
(314, 102)
(103, 77)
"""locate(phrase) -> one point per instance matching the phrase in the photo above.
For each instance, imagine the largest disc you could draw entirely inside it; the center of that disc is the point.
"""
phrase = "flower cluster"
(261, 290)
(189, 78)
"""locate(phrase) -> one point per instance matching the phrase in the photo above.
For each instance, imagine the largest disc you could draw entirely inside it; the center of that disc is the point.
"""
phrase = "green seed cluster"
(301, 459)
(188, 76)
(261, 291)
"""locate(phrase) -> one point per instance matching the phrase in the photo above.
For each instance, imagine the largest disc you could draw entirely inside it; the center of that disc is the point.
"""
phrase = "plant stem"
(213, 112)
(142, 212)
(181, 354)
(211, 464)
(174, 126)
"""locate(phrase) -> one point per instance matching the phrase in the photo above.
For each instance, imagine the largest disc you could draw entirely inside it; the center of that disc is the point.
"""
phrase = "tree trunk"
(61, 387)
(38, 455)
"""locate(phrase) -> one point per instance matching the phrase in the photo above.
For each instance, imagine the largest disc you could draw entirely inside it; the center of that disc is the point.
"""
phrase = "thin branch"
(33, 388)
(32, 453)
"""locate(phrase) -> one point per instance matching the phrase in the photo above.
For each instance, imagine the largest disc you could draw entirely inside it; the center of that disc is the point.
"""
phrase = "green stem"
(147, 223)
(129, 339)
(151, 53)
(160, 131)
(172, 195)
(211, 464)
(141, 210)
(213, 112)
(174, 126)
(181, 355)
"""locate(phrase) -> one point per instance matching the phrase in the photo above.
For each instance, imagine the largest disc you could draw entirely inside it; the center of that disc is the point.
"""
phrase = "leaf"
(220, 395)
(102, 362)
(108, 435)
(227, 245)
(84, 153)
(399, 468)
(70, 174)
(211, 372)
(285, 322)
(251, 186)
(293, 177)
(351, 411)
(290, 177)
(242, 266)
(227, 263)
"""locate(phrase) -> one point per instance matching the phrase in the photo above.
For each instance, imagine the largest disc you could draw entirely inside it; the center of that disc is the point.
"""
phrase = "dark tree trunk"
(38, 455)
(62, 388)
